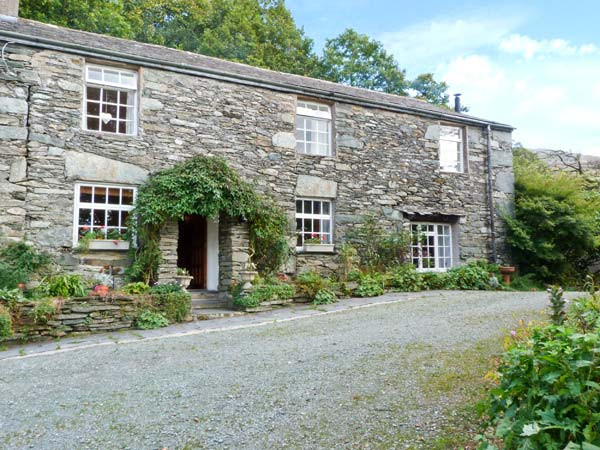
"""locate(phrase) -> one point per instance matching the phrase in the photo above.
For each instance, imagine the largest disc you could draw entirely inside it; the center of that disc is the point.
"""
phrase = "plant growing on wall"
(208, 187)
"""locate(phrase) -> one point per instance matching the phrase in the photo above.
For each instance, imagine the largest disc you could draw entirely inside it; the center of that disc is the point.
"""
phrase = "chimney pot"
(457, 107)
(9, 8)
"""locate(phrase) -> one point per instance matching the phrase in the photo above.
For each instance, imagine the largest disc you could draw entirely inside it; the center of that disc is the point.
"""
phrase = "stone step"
(215, 313)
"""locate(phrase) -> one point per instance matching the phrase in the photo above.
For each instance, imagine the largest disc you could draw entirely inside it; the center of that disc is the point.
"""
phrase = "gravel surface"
(343, 380)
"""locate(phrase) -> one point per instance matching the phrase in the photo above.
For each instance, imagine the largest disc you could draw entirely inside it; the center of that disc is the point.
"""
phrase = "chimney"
(456, 101)
(9, 8)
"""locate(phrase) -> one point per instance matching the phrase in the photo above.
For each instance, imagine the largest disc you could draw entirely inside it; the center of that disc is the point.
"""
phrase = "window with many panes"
(452, 151)
(431, 245)
(313, 128)
(102, 210)
(110, 100)
(313, 221)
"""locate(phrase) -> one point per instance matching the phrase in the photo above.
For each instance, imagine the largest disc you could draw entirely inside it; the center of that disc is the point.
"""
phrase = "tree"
(356, 60)
(430, 90)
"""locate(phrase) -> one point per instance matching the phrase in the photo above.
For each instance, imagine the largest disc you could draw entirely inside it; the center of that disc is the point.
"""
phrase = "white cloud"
(528, 47)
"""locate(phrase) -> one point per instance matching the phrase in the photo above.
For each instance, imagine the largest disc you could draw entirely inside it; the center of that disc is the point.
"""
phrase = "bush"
(266, 290)
(471, 276)
(43, 311)
(166, 288)
(136, 288)
(5, 323)
(405, 278)
(370, 286)
(62, 285)
(175, 306)
(310, 283)
(18, 261)
(436, 280)
(148, 320)
(325, 297)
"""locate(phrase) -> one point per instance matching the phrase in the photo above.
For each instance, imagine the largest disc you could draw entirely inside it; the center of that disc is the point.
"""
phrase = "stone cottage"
(85, 118)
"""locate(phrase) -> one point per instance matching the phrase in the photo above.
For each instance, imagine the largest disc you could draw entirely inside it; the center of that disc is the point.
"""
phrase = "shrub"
(43, 311)
(5, 323)
(148, 320)
(325, 297)
(311, 282)
(18, 261)
(405, 278)
(175, 306)
(136, 288)
(526, 282)
(584, 313)
(436, 280)
(62, 285)
(166, 288)
(349, 260)
(471, 276)
(370, 286)
(266, 290)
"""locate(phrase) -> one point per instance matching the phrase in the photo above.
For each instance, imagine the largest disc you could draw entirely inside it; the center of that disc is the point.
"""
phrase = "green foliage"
(430, 90)
(471, 276)
(205, 186)
(18, 261)
(175, 306)
(557, 304)
(377, 248)
(370, 285)
(405, 278)
(310, 283)
(526, 282)
(62, 285)
(436, 280)
(5, 323)
(149, 320)
(263, 290)
(43, 310)
(349, 260)
(555, 232)
(167, 288)
(325, 297)
(136, 288)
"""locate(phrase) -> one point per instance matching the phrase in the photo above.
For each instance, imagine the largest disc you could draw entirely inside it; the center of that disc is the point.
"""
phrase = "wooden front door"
(191, 249)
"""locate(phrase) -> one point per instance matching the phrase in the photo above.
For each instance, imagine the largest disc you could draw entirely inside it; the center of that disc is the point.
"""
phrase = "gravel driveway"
(343, 380)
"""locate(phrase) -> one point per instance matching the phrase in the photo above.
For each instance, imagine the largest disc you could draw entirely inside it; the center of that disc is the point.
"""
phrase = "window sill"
(311, 155)
(451, 172)
(110, 136)
(107, 244)
(445, 269)
(316, 248)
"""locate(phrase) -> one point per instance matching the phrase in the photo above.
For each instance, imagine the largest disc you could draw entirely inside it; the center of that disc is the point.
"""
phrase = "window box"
(318, 248)
(107, 244)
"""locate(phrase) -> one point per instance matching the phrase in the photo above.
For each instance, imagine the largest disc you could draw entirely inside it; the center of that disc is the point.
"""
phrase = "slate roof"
(43, 35)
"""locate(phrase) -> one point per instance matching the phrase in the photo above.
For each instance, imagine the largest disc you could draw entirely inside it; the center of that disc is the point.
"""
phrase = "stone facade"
(384, 162)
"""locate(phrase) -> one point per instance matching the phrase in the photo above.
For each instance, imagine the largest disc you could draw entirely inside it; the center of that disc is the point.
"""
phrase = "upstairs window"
(431, 246)
(313, 221)
(313, 128)
(110, 100)
(452, 152)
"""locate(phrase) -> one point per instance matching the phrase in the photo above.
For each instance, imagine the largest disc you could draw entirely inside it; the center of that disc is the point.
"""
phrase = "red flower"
(116, 242)
(85, 228)
(21, 286)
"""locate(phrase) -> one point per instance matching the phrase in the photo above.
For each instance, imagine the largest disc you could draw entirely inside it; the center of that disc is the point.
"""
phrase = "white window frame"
(461, 156)
(130, 85)
(437, 257)
(312, 216)
(78, 204)
(321, 113)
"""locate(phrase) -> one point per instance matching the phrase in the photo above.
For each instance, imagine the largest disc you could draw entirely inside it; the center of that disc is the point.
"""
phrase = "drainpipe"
(494, 255)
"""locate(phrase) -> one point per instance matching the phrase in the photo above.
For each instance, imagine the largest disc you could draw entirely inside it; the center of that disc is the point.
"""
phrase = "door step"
(207, 299)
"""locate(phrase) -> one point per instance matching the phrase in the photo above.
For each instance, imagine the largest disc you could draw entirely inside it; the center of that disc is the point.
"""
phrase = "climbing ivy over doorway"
(208, 187)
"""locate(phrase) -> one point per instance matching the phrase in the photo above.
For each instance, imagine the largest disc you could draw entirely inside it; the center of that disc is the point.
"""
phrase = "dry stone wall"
(384, 162)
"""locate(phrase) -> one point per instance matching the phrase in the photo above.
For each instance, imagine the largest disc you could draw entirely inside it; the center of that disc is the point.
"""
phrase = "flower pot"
(107, 244)
(318, 248)
(247, 277)
(183, 280)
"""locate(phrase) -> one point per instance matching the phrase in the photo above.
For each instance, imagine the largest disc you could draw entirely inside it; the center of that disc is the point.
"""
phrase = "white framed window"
(452, 149)
(110, 100)
(431, 246)
(102, 209)
(313, 221)
(313, 128)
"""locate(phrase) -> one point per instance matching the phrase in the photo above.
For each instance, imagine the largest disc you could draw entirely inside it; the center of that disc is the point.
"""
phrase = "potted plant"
(183, 277)
(317, 245)
(101, 240)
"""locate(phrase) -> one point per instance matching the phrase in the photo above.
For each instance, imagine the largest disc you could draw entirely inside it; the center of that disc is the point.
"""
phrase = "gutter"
(490, 195)
(84, 50)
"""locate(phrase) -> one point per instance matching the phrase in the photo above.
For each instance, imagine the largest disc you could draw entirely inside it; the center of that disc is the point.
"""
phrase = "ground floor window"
(102, 210)
(431, 245)
(313, 221)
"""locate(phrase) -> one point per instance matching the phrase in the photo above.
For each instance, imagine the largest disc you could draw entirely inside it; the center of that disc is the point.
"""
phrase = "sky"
(532, 64)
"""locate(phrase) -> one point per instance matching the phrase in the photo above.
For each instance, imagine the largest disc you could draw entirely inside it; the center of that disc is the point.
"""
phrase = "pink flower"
(513, 333)
(116, 242)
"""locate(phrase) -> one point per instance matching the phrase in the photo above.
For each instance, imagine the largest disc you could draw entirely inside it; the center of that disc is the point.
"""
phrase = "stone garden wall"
(384, 162)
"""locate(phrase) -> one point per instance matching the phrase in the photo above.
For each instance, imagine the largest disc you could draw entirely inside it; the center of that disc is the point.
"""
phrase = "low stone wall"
(83, 314)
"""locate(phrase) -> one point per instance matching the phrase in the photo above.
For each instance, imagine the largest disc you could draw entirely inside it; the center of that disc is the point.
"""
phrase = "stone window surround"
(115, 86)
(331, 124)
(449, 233)
(465, 148)
(77, 204)
(330, 217)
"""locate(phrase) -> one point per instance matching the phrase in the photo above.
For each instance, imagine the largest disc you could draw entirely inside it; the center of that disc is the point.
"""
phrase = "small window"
(313, 221)
(431, 246)
(102, 210)
(313, 129)
(452, 153)
(110, 100)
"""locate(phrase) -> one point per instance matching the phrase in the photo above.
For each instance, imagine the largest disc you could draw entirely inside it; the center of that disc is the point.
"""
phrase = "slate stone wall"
(384, 162)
